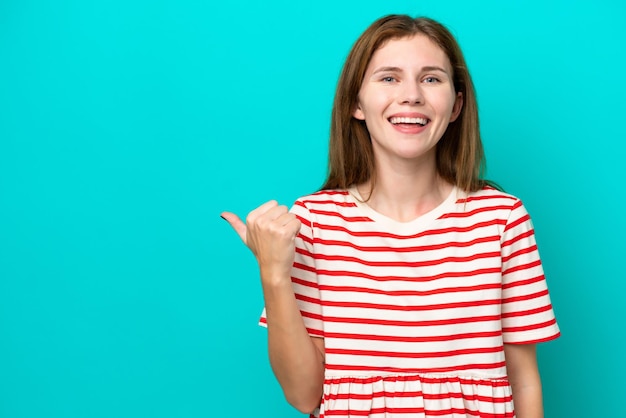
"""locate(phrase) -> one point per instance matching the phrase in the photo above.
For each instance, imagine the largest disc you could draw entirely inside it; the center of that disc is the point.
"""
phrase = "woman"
(407, 286)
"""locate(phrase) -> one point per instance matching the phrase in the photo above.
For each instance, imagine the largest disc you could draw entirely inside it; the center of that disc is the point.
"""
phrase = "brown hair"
(460, 156)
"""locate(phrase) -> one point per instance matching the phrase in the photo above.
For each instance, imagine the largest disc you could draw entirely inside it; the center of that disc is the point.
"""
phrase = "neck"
(403, 192)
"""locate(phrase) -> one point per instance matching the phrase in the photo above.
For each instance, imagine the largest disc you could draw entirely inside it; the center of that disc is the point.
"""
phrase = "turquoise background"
(126, 127)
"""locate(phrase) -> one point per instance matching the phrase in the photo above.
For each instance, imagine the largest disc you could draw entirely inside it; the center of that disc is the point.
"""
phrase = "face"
(407, 99)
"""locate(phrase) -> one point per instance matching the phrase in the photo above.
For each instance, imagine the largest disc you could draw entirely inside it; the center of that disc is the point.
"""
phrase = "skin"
(523, 372)
(408, 77)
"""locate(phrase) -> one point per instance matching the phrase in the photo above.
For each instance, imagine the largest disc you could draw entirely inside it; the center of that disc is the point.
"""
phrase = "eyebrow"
(399, 70)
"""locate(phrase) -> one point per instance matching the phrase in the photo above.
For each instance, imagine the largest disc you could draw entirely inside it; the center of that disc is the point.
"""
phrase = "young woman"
(407, 286)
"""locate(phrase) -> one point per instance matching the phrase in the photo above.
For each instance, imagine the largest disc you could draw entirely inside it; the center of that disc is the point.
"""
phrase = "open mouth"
(409, 121)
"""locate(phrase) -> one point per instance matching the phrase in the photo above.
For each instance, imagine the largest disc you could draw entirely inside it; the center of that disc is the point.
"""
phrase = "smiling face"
(407, 99)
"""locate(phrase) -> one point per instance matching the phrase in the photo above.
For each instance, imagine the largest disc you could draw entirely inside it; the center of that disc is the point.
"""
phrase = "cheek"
(366, 108)
(445, 105)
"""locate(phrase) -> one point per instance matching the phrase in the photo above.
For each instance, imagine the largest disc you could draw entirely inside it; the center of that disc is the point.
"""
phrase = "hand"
(270, 232)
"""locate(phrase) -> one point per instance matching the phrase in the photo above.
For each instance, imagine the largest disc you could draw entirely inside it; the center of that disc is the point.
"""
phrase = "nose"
(411, 93)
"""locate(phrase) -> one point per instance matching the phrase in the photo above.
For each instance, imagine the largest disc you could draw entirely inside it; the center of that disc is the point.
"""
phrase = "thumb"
(237, 224)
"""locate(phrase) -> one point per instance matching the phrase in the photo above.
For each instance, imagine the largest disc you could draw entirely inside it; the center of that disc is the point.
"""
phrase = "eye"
(431, 80)
(388, 79)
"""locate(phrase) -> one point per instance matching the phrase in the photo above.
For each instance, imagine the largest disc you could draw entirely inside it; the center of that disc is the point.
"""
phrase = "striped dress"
(414, 315)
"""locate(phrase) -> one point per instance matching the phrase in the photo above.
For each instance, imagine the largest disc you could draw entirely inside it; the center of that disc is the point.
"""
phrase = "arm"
(523, 371)
(297, 359)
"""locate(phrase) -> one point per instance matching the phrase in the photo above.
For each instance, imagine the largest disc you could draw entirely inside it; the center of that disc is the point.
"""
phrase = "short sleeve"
(304, 274)
(527, 314)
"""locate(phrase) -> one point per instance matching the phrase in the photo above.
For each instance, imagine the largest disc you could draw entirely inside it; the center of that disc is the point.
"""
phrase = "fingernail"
(223, 218)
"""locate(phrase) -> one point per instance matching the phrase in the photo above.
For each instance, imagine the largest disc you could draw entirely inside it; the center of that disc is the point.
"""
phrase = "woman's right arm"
(297, 359)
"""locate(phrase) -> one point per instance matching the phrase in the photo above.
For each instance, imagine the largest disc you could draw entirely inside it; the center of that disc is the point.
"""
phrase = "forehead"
(413, 51)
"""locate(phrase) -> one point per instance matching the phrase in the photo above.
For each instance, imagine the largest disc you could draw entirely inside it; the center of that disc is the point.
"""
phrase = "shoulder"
(490, 193)
(328, 206)
(324, 197)
(489, 197)
(487, 206)
(325, 200)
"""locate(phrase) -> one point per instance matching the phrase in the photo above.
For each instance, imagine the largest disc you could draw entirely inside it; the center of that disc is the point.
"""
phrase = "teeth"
(396, 120)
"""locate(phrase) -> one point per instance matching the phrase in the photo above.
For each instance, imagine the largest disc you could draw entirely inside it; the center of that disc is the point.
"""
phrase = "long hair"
(459, 154)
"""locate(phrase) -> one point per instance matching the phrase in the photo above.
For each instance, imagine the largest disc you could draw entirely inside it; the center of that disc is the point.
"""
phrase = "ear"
(456, 108)
(358, 112)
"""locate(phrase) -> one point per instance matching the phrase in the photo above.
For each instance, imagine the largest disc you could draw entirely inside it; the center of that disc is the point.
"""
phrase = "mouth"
(408, 121)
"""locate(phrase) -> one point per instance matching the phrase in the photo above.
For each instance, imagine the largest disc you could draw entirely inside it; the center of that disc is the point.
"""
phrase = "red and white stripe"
(414, 315)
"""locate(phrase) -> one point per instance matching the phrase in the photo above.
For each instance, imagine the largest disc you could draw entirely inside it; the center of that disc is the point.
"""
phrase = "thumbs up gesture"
(269, 232)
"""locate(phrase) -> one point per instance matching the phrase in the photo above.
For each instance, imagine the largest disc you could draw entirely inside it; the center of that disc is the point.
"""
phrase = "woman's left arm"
(523, 372)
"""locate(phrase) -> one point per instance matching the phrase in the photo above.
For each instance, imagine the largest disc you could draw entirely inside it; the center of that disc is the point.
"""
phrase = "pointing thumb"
(236, 223)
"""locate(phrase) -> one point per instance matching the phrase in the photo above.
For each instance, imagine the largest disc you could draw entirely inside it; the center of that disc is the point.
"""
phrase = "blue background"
(126, 127)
